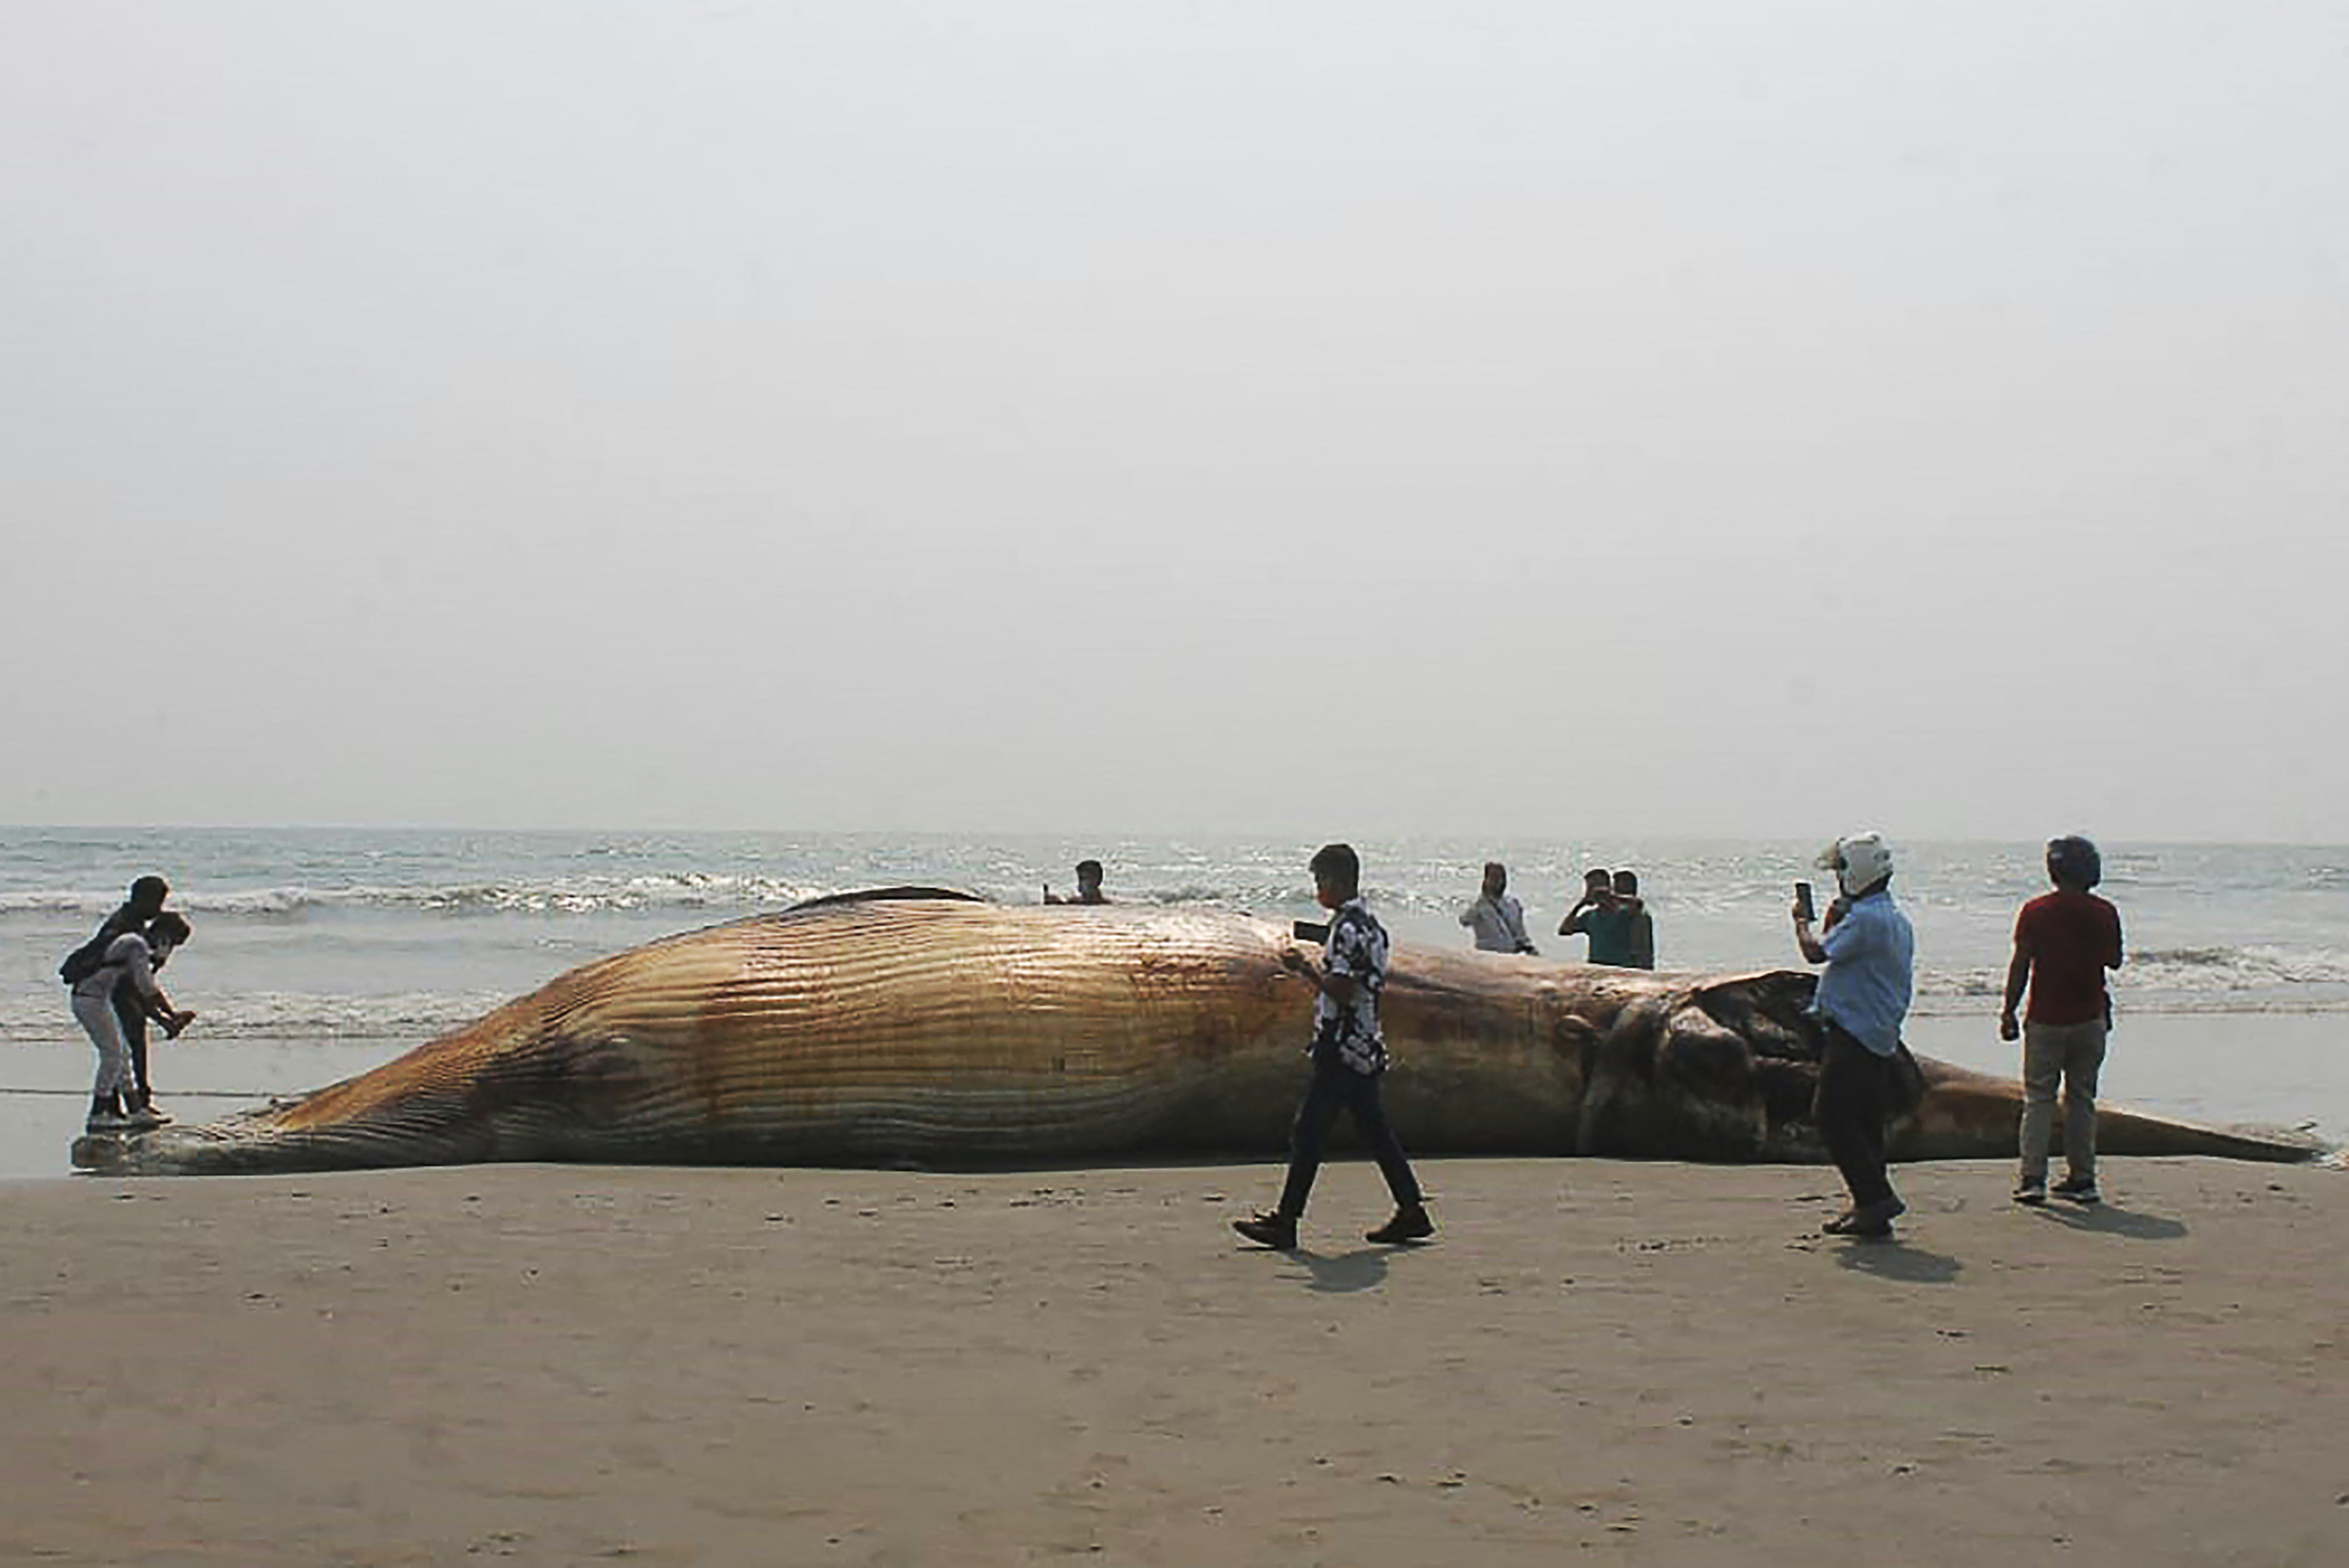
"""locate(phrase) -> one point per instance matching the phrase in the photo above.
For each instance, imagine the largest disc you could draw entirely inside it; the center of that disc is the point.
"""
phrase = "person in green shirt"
(1604, 918)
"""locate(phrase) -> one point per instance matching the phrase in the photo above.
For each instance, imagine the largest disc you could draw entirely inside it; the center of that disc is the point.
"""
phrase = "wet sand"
(1645, 1363)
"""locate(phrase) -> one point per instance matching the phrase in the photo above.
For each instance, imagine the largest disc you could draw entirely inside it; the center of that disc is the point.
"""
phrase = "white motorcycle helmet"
(1859, 862)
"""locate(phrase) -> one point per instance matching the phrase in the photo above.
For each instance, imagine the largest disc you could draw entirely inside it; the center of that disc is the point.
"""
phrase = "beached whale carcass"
(915, 1025)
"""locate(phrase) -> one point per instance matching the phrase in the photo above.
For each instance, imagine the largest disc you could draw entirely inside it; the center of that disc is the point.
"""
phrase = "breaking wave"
(278, 1016)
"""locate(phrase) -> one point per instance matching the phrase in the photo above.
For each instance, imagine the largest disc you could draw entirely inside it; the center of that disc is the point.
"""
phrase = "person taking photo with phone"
(1870, 954)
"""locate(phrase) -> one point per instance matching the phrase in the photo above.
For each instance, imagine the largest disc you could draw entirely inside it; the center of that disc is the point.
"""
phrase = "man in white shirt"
(1498, 920)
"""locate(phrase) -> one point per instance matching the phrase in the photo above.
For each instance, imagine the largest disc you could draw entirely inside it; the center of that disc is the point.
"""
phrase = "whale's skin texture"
(916, 1027)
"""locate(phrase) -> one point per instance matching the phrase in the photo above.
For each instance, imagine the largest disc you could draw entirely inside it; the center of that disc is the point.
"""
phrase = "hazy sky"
(1551, 419)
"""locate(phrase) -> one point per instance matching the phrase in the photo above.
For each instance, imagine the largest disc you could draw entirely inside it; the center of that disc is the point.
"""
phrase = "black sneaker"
(2078, 1189)
(1874, 1221)
(1272, 1230)
(2031, 1192)
(1410, 1223)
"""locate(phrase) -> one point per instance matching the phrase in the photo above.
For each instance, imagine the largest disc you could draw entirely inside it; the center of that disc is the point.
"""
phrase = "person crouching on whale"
(1863, 996)
(131, 958)
(1349, 1055)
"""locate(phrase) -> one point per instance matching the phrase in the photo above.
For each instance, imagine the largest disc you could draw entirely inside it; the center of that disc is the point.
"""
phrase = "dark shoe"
(1278, 1231)
(2078, 1189)
(2031, 1192)
(1841, 1224)
(1410, 1223)
(1874, 1221)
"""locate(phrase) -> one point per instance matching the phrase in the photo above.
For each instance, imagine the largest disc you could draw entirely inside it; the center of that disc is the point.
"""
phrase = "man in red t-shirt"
(2063, 943)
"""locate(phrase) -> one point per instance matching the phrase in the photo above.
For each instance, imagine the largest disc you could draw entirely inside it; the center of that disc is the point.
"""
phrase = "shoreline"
(1652, 1362)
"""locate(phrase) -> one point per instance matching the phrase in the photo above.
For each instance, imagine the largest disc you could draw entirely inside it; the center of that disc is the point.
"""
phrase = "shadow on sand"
(1360, 1270)
(2109, 1220)
(1894, 1259)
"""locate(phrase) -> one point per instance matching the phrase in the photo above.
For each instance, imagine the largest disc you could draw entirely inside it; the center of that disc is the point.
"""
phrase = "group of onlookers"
(2065, 942)
(1610, 912)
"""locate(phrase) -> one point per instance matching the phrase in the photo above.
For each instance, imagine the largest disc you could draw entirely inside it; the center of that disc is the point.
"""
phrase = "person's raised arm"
(1809, 945)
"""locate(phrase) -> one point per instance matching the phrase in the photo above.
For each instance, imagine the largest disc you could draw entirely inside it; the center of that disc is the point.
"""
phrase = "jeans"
(95, 1014)
(2073, 1054)
(1855, 1099)
(131, 1014)
(1337, 1087)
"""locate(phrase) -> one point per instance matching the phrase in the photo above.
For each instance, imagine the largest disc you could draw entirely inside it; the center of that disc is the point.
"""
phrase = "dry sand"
(1650, 1363)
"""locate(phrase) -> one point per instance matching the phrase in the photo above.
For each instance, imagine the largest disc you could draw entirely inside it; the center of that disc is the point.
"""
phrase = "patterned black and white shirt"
(1349, 1031)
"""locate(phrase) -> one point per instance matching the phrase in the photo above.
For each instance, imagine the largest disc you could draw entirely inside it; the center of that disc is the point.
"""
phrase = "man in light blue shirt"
(1871, 953)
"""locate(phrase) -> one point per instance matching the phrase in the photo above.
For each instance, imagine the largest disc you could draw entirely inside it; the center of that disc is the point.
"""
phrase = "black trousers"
(133, 1018)
(1853, 1103)
(1338, 1087)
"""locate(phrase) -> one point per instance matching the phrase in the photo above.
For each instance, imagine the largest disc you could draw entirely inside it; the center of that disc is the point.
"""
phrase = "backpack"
(87, 958)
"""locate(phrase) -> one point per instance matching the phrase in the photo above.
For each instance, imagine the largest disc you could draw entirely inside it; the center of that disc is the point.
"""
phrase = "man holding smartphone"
(1870, 954)
(1350, 1056)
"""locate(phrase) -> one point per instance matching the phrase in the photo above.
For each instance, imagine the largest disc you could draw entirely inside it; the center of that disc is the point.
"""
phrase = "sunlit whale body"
(917, 1026)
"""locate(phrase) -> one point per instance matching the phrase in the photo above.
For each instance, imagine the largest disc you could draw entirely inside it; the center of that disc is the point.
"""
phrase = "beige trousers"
(2069, 1054)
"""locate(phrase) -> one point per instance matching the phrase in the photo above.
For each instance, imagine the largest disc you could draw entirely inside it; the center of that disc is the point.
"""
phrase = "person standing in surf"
(2063, 943)
(1497, 920)
(1089, 886)
(1870, 954)
(1350, 1056)
(1641, 934)
(1604, 918)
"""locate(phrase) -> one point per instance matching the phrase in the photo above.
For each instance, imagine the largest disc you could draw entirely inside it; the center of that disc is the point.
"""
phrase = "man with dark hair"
(1602, 917)
(145, 902)
(1348, 1054)
(1497, 920)
(2063, 943)
(1643, 925)
(1089, 886)
(130, 960)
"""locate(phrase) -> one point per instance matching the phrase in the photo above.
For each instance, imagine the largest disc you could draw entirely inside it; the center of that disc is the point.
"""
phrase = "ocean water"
(318, 951)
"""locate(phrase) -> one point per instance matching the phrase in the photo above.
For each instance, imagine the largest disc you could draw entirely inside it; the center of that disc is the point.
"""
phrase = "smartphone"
(1803, 901)
(1306, 931)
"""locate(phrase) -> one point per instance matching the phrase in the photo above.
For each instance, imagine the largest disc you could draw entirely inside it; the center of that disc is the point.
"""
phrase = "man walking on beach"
(1498, 920)
(1350, 1054)
(2063, 943)
(1863, 996)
